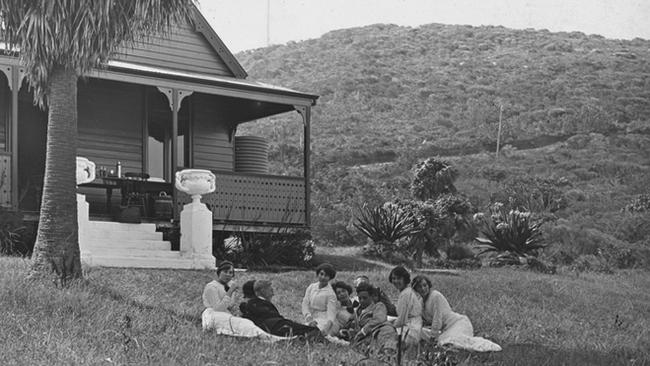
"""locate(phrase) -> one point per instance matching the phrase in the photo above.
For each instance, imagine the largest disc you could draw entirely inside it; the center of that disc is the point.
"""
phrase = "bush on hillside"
(568, 242)
(385, 224)
(532, 193)
(432, 178)
(510, 234)
(436, 222)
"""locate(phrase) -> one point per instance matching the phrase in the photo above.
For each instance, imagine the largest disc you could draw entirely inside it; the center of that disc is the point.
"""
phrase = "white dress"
(217, 316)
(452, 328)
(320, 305)
(409, 315)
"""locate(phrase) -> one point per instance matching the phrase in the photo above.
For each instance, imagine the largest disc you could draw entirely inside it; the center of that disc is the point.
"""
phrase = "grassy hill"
(575, 106)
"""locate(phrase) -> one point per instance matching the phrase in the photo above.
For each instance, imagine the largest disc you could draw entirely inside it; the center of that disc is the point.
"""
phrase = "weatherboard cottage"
(170, 103)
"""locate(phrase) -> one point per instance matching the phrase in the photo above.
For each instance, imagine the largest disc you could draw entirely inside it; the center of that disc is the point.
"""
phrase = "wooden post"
(307, 167)
(17, 80)
(305, 112)
(175, 107)
(499, 133)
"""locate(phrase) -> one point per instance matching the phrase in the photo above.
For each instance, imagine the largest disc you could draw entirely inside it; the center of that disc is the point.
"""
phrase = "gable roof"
(201, 25)
(192, 46)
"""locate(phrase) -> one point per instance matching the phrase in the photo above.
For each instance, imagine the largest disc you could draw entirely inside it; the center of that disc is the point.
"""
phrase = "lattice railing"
(253, 198)
(5, 180)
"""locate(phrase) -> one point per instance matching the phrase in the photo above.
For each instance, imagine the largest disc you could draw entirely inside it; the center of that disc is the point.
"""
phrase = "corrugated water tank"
(251, 154)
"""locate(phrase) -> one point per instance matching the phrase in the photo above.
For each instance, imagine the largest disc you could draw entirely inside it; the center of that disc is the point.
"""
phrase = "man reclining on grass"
(218, 300)
(266, 316)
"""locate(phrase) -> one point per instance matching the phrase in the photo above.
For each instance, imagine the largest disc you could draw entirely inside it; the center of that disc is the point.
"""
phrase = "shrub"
(493, 173)
(591, 263)
(252, 249)
(11, 232)
(387, 223)
(436, 222)
(569, 243)
(533, 194)
(432, 178)
(510, 234)
(633, 227)
(459, 252)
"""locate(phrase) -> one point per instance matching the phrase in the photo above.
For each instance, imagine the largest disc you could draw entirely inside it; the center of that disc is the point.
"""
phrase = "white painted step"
(123, 226)
(130, 253)
(138, 262)
(125, 235)
(110, 243)
(119, 231)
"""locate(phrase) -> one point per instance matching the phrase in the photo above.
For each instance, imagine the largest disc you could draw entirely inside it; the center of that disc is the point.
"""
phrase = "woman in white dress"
(445, 325)
(409, 307)
(319, 305)
(218, 300)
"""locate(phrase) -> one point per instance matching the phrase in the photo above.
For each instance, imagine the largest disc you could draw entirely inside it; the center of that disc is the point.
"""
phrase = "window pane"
(155, 155)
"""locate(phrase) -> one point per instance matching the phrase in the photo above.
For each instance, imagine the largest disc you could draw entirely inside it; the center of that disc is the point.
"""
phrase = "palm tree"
(58, 41)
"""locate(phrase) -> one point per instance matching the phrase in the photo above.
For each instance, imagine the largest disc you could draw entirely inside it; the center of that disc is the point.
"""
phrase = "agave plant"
(387, 223)
(511, 234)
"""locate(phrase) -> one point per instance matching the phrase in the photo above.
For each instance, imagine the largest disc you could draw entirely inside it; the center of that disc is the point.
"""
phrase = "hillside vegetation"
(575, 106)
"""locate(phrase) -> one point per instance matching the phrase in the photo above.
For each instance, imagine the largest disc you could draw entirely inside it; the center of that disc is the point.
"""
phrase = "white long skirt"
(460, 334)
(234, 326)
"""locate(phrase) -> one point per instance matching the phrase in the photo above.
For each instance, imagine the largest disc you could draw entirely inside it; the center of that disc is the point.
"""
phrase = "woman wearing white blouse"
(445, 325)
(319, 305)
(409, 307)
(217, 294)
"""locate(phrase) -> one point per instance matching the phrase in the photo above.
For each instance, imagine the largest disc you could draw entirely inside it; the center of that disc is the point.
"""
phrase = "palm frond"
(81, 34)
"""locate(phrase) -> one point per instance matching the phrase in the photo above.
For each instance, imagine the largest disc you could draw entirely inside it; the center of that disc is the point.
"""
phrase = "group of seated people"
(368, 320)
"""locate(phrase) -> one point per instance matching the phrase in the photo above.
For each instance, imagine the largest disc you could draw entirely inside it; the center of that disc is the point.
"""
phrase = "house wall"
(183, 49)
(212, 148)
(110, 116)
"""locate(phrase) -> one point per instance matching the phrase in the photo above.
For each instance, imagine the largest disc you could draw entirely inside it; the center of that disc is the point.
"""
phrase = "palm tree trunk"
(57, 243)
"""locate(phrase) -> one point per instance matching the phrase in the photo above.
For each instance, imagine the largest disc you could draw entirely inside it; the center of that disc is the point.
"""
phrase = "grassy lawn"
(126, 316)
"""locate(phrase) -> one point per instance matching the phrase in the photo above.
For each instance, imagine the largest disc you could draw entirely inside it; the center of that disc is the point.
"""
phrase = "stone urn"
(195, 182)
(85, 170)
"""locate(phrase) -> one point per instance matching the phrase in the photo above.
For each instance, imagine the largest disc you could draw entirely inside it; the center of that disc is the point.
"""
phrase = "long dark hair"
(419, 279)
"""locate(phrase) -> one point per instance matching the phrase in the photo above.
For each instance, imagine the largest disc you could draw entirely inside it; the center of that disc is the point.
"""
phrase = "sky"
(249, 24)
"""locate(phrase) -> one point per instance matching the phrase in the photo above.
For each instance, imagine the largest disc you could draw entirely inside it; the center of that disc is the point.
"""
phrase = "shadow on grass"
(535, 354)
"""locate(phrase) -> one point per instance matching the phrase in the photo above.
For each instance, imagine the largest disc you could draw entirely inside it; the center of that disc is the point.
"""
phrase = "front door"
(159, 136)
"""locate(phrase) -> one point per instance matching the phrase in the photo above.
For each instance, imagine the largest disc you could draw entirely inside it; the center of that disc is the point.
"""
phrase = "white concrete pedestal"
(196, 235)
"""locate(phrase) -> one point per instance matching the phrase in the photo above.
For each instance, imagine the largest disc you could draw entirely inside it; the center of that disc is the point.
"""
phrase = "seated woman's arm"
(332, 307)
(306, 310)
(215, 297)
(403, 308)
(438, 306)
